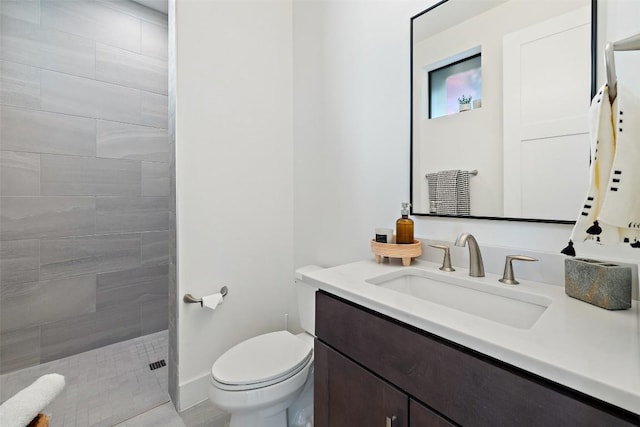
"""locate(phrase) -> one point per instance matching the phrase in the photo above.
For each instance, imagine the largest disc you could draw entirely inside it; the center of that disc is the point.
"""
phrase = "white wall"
(234, 177)
(243, 179)
(351, 124)
(351, 92)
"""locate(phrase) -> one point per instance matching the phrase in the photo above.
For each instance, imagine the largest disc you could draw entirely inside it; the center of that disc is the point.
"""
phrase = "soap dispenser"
(404, 226)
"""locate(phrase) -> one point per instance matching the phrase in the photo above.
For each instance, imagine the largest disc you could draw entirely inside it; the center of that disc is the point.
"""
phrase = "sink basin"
(508, 306)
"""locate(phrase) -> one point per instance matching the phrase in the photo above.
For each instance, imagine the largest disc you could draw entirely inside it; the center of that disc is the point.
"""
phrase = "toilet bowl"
(258, 379)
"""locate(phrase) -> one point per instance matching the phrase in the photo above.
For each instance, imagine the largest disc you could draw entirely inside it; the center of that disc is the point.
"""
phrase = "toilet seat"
(261, 361)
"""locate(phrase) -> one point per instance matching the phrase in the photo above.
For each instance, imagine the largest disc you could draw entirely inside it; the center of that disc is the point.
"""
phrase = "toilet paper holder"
(190, 299)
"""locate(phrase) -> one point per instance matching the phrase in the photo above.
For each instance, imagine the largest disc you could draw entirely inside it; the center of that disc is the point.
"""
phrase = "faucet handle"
(446, 262)
(508, 277)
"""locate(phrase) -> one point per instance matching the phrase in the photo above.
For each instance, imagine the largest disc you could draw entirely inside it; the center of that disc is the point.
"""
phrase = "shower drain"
(156, 365)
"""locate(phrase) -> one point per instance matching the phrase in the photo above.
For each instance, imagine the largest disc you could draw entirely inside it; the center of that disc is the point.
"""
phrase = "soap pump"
(404, 226)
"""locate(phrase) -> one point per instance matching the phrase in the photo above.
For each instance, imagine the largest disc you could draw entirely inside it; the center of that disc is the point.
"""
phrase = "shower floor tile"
(161, 416)
(105, 386)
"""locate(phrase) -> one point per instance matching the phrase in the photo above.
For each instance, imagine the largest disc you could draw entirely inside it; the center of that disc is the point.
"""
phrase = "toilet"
(257, 380)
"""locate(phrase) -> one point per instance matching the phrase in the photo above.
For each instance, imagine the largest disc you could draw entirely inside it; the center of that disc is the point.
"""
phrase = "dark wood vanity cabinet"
(369, 367)
(353, 396)
(421, 416)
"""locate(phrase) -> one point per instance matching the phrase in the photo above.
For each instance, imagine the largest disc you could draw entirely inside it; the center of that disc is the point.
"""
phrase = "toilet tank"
(306, 295)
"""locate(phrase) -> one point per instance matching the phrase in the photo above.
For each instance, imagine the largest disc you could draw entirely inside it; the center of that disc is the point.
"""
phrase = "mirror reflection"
(500, 95)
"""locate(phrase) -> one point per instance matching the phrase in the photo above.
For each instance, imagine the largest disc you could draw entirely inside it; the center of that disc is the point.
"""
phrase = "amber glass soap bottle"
(404, 226)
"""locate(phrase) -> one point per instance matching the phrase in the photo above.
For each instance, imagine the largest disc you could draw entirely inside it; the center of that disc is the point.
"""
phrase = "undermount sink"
(508, 306)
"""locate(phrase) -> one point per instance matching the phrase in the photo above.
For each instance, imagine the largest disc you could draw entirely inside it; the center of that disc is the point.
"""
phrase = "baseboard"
(193, 392)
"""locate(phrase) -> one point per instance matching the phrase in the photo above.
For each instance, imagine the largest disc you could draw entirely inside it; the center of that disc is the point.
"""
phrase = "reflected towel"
(463, 194)
(447, 192)
(432, 183)
(19, 410)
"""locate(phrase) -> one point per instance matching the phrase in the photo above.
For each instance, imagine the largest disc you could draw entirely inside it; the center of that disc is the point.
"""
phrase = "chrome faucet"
(476, 266)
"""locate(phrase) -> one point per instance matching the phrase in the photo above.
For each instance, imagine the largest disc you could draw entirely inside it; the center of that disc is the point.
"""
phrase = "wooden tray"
(407, 251)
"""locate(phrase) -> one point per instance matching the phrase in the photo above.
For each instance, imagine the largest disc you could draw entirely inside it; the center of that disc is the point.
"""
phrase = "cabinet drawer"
(466, 387)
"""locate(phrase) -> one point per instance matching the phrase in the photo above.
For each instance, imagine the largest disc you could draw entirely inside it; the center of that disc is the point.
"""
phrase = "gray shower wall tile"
(31, 304)
(93, 20)
(126, 141)
(40, 217)
(79, 96)
(154, 248)
(18, 40)
(77, 256)
(154, 110)
(67, 94)
(155, 179)
(134, 285)
(42, 132)
(71, 175)
(19, 174)
(119, 66)
(19, 85)
(155, 40)
(88, 331)
(117, 280)
(53, 95)
(67, 53)
(118, 103)
(25, 10)
(46, 48)
(154, 314)
(131, 214)
(19, 349)
(137, 10)
(19, 262)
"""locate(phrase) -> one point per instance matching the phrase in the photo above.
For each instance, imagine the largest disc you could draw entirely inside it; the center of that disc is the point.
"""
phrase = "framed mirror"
(500, 91)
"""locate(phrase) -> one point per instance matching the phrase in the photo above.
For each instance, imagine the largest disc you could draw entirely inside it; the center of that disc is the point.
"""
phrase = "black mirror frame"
(594, 47)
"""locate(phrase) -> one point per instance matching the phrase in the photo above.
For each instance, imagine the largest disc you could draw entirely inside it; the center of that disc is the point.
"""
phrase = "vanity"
(403, 346)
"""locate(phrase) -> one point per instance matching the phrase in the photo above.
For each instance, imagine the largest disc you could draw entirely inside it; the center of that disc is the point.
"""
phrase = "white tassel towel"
(611, 211)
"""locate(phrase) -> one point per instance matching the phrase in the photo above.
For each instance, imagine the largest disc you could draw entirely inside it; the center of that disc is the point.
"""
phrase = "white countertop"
(581, 346)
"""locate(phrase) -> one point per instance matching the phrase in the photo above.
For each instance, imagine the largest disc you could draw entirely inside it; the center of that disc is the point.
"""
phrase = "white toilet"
(258, 379)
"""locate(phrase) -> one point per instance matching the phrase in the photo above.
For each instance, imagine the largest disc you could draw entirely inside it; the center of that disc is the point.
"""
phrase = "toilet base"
(258, 420)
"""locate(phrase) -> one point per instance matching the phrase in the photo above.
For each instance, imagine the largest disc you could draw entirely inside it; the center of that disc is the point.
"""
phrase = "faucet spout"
(476, 265)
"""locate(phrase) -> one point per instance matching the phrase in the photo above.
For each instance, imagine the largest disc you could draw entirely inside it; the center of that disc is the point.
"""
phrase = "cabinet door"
(468, 389)
(421, 416)
(347, 395)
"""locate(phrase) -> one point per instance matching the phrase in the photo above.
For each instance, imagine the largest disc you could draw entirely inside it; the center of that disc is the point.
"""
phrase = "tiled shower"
(84, 177)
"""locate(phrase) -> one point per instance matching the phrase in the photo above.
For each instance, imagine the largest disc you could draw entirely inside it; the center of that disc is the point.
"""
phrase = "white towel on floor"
(604, 148)
(24, 406)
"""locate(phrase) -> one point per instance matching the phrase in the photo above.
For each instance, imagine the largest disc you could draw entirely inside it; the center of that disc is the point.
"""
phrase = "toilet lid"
(262, 359)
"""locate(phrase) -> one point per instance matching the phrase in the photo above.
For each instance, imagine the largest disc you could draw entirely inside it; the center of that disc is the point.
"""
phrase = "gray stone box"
(600, 283)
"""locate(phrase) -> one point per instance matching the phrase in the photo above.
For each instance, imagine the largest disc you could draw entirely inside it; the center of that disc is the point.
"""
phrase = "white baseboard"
(193, 392)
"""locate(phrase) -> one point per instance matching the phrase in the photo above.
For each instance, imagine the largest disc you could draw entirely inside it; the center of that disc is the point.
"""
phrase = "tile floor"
(113, 385)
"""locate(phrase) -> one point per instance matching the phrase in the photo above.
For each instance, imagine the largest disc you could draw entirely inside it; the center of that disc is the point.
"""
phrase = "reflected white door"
(546, 90)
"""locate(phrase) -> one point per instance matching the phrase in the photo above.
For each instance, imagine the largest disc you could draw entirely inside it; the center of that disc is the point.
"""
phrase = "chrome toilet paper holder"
(190, 299)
